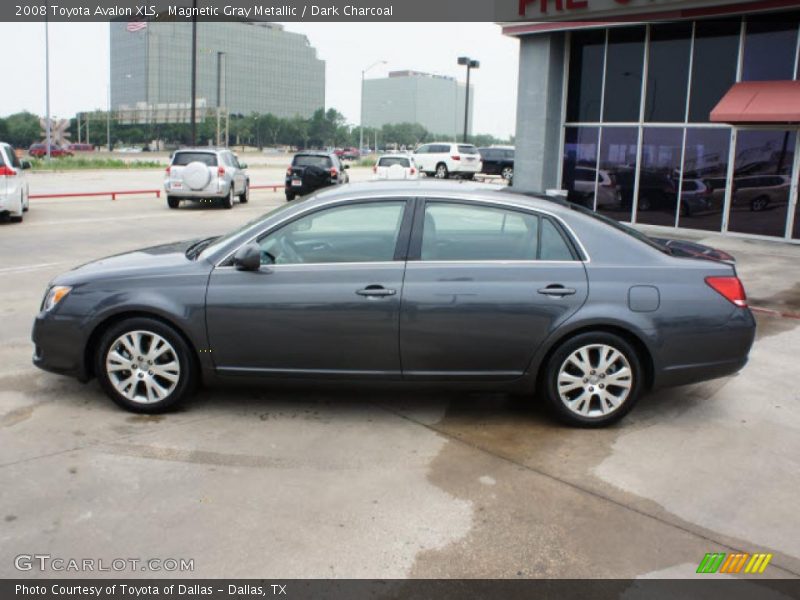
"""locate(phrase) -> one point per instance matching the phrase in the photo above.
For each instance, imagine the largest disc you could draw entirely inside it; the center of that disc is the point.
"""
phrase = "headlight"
(55, 295)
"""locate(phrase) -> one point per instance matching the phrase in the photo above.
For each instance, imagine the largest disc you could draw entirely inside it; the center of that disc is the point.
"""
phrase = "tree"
(23, 129)
(3, 130)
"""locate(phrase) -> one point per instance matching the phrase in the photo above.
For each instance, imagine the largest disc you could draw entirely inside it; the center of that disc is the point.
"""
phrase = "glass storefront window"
(769, 50)
(762, 181)
(585, 75)
(624, 63)
(705, 172)
(617, 172)
(716, 48)
(579, 172)
(668, 72)
(659, 172)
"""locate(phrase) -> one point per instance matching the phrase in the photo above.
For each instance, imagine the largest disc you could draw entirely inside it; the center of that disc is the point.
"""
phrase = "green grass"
(75, 163)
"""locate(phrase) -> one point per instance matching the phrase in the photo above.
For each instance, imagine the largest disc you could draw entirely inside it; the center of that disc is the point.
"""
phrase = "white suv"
(204, 174)
(443, 159)
(13, 184)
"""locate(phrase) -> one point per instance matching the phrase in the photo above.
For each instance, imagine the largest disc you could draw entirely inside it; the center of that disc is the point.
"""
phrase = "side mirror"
(26, 164)
(242, 165)
(345, 166)
(248, 257)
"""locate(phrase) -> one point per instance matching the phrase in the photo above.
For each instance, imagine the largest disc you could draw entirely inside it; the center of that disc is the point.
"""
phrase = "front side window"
(454, 231)
(365, 232)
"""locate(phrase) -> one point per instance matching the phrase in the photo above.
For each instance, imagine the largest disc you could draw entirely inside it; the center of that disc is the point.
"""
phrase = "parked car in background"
(498, 160)
(80, 147)
(395, 166)
(410, 282)
(696, 196)
(40, 151)
(444, 159)
(758, 192)
(200, 174)
(580, 188)
(14, 192)
(351, 154)
(311, 171)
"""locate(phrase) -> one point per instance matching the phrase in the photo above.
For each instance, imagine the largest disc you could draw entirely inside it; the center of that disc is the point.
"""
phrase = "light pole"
(108, 118)
(219, 96)
(47, 78)
(361, 118)
(470, 64)
(193, 116)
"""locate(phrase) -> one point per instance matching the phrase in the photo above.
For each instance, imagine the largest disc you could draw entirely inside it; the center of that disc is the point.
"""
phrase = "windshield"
(222, 240)
(621, 227)
(182, 159)
(309, 160)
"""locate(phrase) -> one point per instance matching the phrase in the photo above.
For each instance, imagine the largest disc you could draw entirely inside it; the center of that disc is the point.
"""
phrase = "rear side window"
(467, 149)
(308, 160)
(552, 245)
(10, 157)
(390, 161)
(182, 159)
(3, 150)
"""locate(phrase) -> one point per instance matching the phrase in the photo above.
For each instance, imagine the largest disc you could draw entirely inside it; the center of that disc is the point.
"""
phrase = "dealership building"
(243, 67)
(437, 102)
(673, 113)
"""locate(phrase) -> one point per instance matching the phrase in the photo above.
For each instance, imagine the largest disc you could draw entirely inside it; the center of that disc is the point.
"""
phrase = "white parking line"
(29, 267)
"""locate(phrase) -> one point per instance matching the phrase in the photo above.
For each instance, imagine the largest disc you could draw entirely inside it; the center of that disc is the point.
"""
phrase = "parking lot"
(287, 483)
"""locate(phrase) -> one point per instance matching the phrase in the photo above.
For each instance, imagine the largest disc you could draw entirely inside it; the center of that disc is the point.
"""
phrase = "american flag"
(135, 26)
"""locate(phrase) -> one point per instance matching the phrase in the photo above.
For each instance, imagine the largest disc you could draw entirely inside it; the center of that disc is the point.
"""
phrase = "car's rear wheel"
(441, 171)
(227, 201)
(507, 174)
(468, 176)
(290, 196)
(759, 204)
(593, 379)
(144, 365)
(173, 202)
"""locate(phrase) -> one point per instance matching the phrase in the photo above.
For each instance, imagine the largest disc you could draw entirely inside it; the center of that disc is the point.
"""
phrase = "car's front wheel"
(244, 198)
(227, 201)
(144, 365)
(593, 379)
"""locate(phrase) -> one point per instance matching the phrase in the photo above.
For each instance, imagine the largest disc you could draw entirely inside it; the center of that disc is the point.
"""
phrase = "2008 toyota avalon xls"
(435, 282)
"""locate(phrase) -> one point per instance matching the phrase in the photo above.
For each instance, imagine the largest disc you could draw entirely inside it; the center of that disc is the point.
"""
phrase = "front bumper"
(59, 346)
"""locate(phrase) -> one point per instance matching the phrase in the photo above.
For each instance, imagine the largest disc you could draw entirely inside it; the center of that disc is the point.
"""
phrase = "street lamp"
(47, 78)
(361, 118)
(220, 55)
(470, 64)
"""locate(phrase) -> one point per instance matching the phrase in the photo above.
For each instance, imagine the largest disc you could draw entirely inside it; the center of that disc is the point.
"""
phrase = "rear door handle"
(556, 289)
(376, 291)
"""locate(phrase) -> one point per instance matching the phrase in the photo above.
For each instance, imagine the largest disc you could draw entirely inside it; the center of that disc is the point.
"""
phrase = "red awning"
(759, 102)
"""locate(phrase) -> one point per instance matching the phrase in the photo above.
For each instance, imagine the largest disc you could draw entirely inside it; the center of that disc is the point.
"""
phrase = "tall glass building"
(689, 121)
(243, 67)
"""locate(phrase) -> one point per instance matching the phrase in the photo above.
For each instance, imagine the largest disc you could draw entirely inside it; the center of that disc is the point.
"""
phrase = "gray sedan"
(431, 283)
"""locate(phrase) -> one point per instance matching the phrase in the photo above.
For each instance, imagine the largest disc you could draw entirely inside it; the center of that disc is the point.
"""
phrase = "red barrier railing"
(273, 186)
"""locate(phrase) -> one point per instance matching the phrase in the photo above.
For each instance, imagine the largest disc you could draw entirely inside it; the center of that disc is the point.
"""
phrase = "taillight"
(413, 170)
(456, 157)
(7, 172)
(220, 170)
(729, 287)
(375, 169)
(168, 170)
(334, 172)
(288, 170)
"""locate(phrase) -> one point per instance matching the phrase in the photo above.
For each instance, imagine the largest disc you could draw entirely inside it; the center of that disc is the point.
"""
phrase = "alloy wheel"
(143, 366)
(595, 380)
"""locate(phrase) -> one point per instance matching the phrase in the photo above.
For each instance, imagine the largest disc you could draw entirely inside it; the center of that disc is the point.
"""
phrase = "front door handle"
(556, 289)
(376, 291)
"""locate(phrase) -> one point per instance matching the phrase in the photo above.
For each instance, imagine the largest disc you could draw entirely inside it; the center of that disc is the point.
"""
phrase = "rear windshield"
(182, 159)
(467, 149)
(309, 160)
(390, 161)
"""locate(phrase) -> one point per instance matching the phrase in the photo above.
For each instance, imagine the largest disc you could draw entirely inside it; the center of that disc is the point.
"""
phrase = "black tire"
(468, 176)
(759, 204)
(645, 203)
(508, 174)
(187, 376)
(290, 196)
(173, 202)
(15, 218)
(244, 197)
(549, 382)
(227, 201)
(441, 171)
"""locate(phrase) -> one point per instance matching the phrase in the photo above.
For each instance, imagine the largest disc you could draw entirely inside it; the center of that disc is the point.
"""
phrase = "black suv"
(311, 171)
(498, 161)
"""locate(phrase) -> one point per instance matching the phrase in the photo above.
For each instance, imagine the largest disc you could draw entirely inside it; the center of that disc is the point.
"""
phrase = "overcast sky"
(79, 64)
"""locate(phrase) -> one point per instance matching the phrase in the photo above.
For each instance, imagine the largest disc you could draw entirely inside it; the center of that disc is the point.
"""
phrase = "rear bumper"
(218, 190)
(465, 167)
(707, 354)
(59, 346)
(305, 189)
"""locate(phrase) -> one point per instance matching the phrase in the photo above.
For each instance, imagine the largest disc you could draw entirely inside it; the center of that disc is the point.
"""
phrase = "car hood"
(154, 260)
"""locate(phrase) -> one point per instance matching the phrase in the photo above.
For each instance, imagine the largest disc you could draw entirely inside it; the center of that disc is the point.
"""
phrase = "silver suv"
(206, 174)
